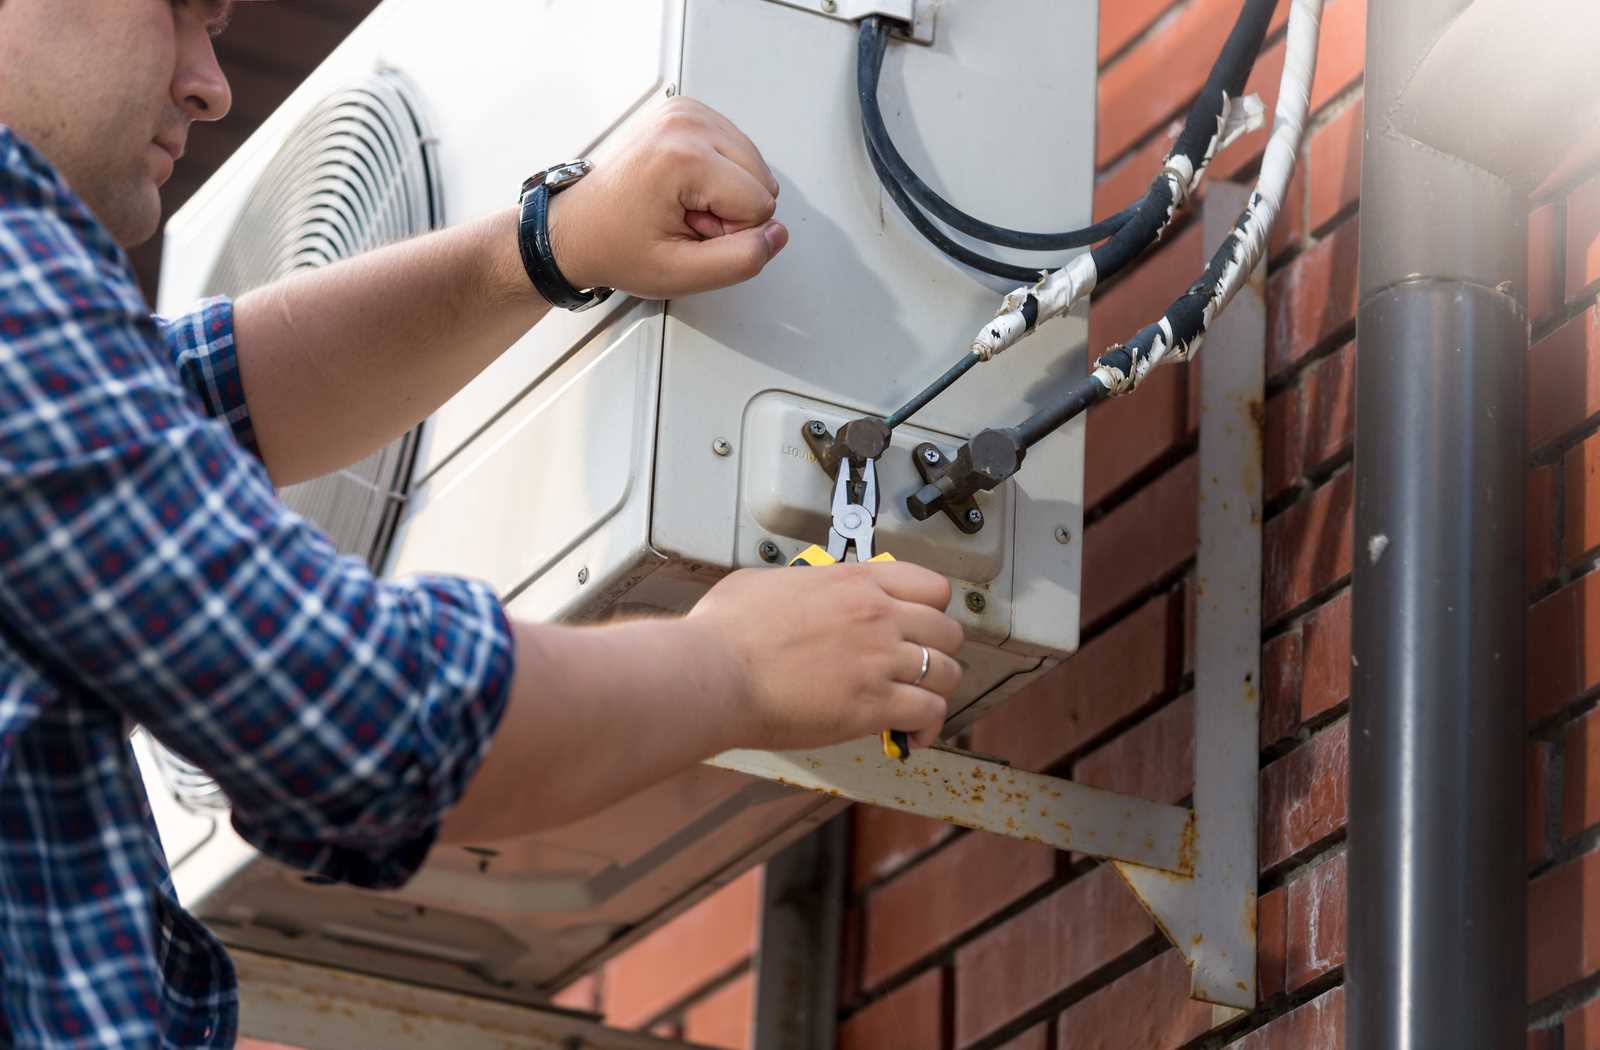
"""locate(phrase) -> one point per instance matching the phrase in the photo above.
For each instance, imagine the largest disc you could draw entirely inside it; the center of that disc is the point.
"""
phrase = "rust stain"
(1241, 986)
(1187, 846)
(1199, 939)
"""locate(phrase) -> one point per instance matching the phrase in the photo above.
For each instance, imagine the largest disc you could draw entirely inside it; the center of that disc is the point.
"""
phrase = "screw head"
(974, 517)
(830, 6)
(818, 428)
(1063, 535)
(769, 552)
(722, 447)
(976, 602)
(931, 455)
(583, 577)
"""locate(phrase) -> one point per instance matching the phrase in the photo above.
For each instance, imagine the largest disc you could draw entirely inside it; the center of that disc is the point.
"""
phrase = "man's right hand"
(683, 204)
(829, 655)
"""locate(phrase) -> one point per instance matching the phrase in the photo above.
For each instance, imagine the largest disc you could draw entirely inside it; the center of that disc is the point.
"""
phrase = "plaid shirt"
(149, 575)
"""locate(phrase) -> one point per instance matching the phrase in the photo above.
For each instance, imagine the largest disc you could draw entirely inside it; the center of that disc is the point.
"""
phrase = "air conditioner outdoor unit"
(624, 459)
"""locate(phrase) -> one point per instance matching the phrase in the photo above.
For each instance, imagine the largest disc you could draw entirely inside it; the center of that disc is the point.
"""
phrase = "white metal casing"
(577, 473)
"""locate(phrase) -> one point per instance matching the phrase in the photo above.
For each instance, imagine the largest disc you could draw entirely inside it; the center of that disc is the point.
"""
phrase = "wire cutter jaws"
(854, 519)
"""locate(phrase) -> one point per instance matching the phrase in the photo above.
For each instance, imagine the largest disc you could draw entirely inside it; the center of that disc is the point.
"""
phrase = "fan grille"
(357, 173)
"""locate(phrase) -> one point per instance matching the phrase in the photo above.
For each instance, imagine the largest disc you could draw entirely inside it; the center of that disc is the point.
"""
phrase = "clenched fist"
(683, 205)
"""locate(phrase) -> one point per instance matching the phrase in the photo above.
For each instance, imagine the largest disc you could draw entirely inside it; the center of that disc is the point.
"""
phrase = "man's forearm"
(338, 362)
(596, 715)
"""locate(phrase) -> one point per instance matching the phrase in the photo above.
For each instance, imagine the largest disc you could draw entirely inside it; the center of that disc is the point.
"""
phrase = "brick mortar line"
(1129, 490)
(1324, 348)
(1163, 124)
(675, 1012)
(1305, 486)
(1164, 17)
(860, 896)
(1337, 106)
(1556, 1006)
(1315, 601)
(1303, 734)
(1251, 1023)
(1554, 803)
(944, 954)
(1065, 766)
(1101, 977)
(1111, 617)
(1549, 728)
(1568, 850)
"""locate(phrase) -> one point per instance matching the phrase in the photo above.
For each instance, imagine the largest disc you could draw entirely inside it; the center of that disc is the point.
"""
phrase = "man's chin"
(137, 218)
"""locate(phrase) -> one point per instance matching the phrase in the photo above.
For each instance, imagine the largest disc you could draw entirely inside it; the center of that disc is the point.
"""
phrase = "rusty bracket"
(1193, 868)
(1212, 916)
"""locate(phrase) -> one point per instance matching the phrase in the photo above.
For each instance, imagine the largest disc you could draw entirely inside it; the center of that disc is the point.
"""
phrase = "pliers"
(855, 516)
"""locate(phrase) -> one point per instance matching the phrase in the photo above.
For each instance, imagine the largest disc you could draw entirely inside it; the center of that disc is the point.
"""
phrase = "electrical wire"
(1181, 330)
(872, 45)
(1210, 125)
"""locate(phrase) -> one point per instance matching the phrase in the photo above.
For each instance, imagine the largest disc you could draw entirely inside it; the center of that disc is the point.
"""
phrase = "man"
(148, 575)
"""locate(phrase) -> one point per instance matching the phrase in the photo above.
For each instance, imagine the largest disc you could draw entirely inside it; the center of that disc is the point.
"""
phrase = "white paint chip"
(1376, 546)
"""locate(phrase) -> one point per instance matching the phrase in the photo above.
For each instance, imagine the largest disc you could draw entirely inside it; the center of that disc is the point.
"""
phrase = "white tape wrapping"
(1248, 241)
(1056, 293)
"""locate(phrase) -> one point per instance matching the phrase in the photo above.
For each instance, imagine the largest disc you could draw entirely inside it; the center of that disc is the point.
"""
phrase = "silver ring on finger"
(927, 658)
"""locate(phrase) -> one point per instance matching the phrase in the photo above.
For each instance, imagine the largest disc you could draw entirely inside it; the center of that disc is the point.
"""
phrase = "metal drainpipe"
(1436, 867)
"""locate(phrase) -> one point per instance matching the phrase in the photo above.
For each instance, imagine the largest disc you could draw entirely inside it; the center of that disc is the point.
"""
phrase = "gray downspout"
(1436, 867)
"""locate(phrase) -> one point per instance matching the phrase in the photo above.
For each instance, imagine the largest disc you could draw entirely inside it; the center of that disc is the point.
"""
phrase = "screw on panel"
(818, 428)
(830, 6)
(722, 447)
(976, 602)
(931, 455)
(1063, 535)
(975, 517)
(583, 577)
(769, 552)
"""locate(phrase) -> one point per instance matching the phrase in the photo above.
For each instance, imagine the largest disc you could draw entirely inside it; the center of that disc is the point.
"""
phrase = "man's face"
(107, 90)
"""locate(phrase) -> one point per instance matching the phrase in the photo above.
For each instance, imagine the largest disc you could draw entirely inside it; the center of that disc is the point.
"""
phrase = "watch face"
(564, 175)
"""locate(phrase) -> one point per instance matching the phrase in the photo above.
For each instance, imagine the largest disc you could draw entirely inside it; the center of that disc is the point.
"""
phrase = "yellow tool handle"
(896, 744)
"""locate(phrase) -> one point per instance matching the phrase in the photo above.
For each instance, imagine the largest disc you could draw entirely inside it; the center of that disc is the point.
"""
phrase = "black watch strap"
(533, 239)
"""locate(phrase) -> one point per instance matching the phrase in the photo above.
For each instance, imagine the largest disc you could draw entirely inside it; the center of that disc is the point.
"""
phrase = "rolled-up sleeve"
(200, 346)
(145, 560)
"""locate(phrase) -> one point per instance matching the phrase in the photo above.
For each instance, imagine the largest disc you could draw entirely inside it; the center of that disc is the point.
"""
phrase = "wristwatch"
(533, 238)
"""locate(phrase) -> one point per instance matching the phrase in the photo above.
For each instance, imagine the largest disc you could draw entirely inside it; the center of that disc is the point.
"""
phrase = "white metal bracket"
(917, 15)
(1193, 868)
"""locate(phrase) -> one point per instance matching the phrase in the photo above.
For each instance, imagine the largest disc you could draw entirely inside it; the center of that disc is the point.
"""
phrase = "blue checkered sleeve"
(200, 345)
(145, 559)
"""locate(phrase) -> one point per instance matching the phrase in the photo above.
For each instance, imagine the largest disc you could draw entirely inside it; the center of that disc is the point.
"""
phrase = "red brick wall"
(956, 941)
(959, 943)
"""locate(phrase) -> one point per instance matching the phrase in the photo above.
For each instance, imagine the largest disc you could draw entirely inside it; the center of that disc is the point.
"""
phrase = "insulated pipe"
(1436, 868)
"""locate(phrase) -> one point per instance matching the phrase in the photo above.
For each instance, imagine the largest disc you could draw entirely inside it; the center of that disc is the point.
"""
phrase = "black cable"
(1228, 77)
(935, 236)
(872, 45)
(1084, 393)
(1140, 227)
(937, 387)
